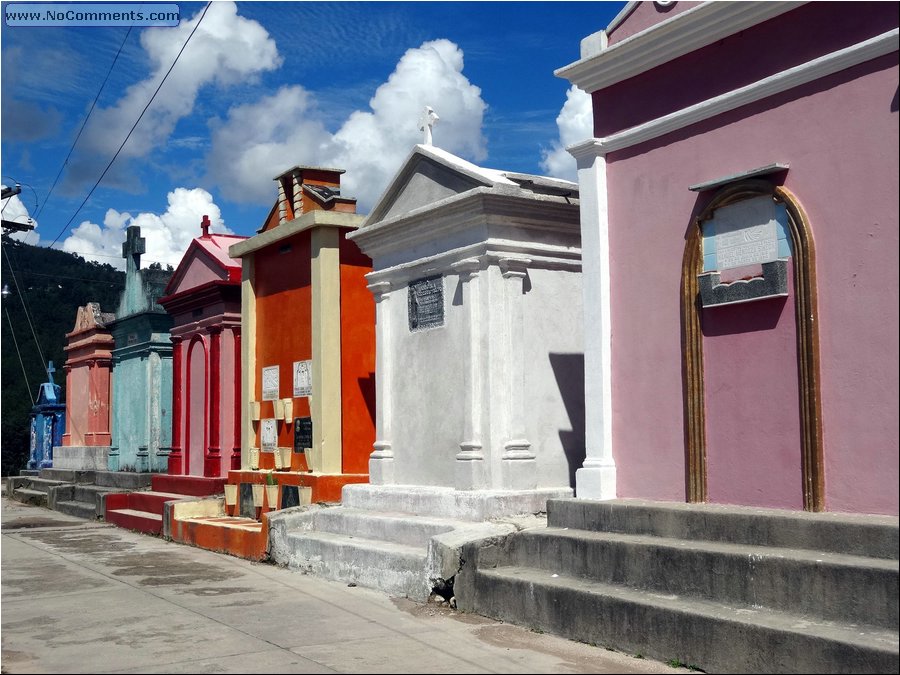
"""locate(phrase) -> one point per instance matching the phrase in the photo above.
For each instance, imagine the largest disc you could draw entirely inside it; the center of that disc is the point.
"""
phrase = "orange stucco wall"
(283, 321)
(357, 359)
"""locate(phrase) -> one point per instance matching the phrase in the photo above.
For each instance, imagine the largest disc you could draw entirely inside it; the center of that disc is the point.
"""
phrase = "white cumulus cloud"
(167, 235)
(576, 123)
(259, 140)
(226, 50)
(16, 211)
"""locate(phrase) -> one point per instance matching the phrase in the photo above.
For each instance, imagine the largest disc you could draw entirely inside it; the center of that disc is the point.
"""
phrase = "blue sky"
(264, 86)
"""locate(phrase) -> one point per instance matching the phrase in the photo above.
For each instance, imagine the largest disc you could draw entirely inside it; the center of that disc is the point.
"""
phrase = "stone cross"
(133, 247)
(426, 123)
(50, 371)
(204, 225)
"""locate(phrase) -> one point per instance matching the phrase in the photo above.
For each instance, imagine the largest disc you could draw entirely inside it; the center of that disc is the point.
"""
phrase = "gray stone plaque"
(426, 303)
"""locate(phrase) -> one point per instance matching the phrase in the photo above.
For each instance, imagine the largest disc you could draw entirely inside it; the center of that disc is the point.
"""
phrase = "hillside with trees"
(53, 284)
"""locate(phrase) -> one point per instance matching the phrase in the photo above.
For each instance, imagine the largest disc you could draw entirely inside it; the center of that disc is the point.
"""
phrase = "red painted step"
(140, 521)
(195, 486)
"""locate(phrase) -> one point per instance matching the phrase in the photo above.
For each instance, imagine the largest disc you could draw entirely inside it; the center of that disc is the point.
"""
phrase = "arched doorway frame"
(806, 308)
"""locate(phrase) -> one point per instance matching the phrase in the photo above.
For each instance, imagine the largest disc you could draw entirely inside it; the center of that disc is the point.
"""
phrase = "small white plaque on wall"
(270, 383)
(268, 434)
(302, 378)
(745, 233)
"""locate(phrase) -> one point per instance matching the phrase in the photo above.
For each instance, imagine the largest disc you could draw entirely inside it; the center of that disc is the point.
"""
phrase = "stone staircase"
(87, 499)
(724, 589)
(144, 511)
(373, 541)
(75, 492)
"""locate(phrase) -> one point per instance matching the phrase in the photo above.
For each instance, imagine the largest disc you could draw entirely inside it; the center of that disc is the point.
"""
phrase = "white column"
(597, 477)
(470, 469)
(518, 463)
(381, 461)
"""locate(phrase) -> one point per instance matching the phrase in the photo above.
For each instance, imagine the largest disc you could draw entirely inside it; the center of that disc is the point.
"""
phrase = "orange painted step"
(241, 537)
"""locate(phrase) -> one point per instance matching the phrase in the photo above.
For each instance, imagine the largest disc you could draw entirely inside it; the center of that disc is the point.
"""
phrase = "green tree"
(52, 285)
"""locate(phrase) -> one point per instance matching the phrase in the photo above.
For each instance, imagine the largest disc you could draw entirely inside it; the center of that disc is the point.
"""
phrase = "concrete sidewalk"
(84, 597)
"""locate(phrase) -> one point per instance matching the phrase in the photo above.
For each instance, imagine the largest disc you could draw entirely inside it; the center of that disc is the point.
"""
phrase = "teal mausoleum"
(142, 367)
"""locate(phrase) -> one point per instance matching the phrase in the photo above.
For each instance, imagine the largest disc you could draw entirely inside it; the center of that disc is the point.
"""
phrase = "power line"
(84, 123)
(21, 363)
(140, 117)
(24, 306)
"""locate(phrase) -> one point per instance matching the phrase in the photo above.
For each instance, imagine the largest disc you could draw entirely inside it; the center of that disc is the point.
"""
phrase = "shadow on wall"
(367, 387)
(569, 372)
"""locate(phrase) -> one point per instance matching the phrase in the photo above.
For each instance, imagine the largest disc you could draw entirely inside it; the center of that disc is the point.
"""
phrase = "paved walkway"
(80, 597)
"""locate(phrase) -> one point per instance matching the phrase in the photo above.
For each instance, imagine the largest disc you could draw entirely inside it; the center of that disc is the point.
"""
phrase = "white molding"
(676, 36)
(490, 252)
(621, 16)
(774, 84)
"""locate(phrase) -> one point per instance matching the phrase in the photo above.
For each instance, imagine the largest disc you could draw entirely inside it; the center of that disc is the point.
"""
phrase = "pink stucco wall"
(643, 16)
(200, 271)
(840, 136)
(753, 430)
(740, 59)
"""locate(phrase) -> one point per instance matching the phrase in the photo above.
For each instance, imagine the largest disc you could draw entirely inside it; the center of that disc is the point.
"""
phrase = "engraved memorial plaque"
(268, 434)
(426, 303)
(745, 233)
(302, 378)
(302, 433)
(270, 383)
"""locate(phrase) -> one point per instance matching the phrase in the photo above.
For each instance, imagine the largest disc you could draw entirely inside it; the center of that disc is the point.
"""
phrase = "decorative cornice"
(480, 207)
(514, 267)
(486, 253)
(679, 35)
(774, 84)
(307, 221)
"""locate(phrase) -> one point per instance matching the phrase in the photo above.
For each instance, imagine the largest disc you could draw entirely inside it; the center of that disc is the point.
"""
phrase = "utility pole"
(10, 225)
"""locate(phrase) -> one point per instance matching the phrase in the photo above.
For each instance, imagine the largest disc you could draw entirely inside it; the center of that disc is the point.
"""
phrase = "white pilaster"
(596, 479)
(518, 463)
(470, 468)
(381, 461)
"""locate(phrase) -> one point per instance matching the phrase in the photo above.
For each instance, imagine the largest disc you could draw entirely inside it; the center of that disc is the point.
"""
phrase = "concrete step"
(123, 480)
(43, 484)
(827, 585)
(88, 493)
(139, 521)
(29, 496)
(443, 502)
(399, 528)
(30, 472)
(68, 475)
(85, 510)
(712, 636)
(875, 536)
(396, 569)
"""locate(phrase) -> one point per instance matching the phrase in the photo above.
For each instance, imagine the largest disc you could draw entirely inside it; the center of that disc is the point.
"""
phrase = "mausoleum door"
(195, 407)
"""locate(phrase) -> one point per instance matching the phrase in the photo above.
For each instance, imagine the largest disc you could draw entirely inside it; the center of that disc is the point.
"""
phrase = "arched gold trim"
(805, 303)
